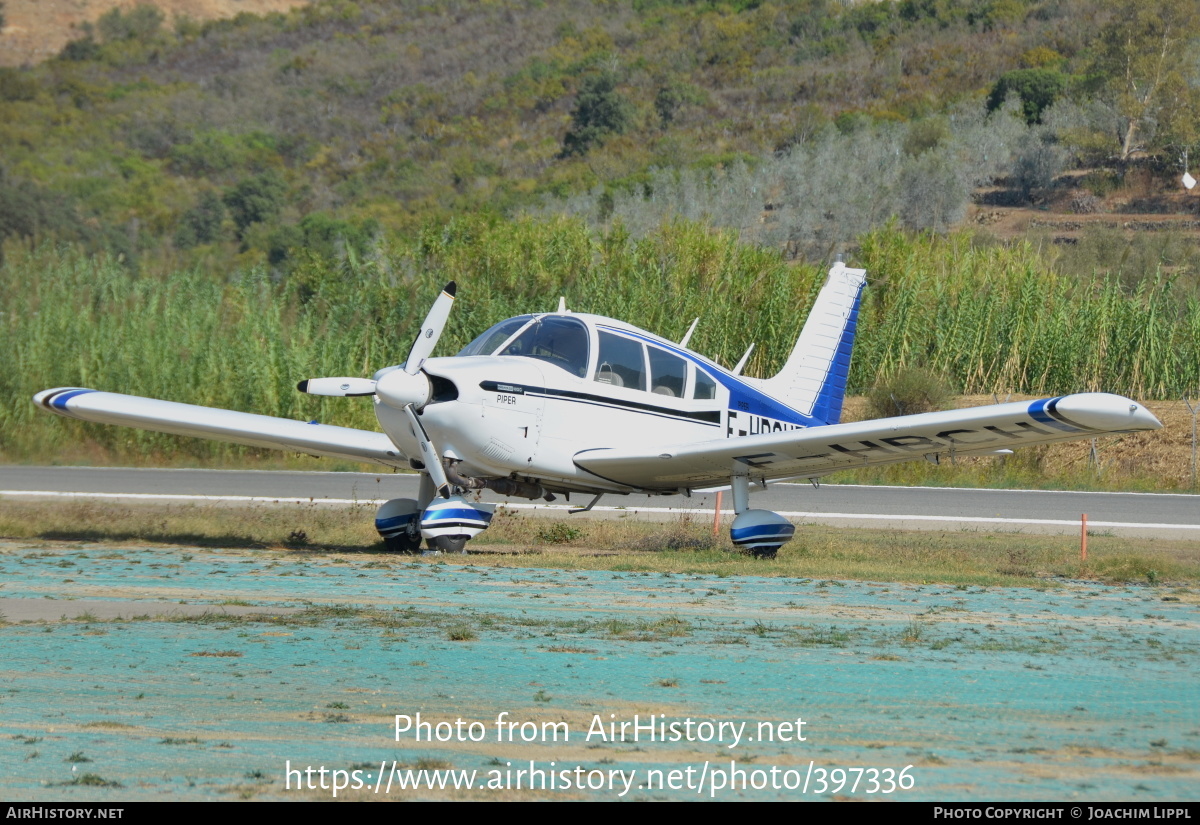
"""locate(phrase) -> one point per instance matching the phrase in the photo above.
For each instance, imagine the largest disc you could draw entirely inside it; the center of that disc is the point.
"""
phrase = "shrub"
(925, 135)
(600, 111)
(908, 391)
(559, 533)
(202, 223)
(1085, 203)
(139, 23)
(84, 48)
(1038, 161)
(16, 84)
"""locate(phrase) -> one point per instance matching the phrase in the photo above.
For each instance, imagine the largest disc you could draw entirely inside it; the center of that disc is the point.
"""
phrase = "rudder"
(813, 380)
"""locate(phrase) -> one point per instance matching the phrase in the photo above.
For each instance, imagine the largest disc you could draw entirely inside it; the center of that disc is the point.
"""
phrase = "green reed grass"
(993, 318)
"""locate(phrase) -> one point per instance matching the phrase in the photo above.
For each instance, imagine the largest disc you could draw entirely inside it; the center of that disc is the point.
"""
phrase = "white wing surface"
(816, 451)
(221, 425)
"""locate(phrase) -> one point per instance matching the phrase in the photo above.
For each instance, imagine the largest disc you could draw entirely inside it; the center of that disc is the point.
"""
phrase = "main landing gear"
(445, 524)
(761, 532)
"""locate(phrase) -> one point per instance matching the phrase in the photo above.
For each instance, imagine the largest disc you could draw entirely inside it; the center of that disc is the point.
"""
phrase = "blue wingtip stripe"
(1037, 411)
(59, 402)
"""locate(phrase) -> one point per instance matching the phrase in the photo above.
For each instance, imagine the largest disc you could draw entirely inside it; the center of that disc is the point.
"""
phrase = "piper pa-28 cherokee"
(567, 402)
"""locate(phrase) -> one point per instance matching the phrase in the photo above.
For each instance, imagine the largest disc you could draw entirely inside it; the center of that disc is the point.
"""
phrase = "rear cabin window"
(621, 362)
(562, 342)
(706, 388)
(668, 373)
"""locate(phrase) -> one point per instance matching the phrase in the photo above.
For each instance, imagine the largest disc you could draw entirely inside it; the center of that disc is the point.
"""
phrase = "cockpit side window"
(706, 388)
(487, 343)
(668, 373)
(560, 341)
(621, 362)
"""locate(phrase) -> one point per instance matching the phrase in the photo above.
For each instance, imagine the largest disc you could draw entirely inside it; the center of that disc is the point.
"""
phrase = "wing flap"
(820, 450)
(222, 425)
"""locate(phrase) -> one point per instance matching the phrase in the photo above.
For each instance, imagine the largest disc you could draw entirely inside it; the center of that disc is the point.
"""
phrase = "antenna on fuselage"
(562, 304)
(738, 369)
(687, 337)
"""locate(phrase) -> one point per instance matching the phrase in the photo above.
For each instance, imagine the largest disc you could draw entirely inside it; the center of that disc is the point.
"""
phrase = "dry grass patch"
(631, 545)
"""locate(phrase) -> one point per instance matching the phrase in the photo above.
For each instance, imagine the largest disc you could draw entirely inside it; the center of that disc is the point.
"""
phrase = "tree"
(85, 48)
(1143, 61)
(201, 223)
(1037, 89)
(139, 23)
(256, 199)
(600, 111)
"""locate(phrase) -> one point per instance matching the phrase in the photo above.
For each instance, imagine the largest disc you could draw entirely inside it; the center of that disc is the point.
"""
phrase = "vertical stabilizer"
(813, 380)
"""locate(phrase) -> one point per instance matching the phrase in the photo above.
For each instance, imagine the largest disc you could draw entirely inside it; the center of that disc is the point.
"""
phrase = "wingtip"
(450, 289)
(303, 386)
(57, 398)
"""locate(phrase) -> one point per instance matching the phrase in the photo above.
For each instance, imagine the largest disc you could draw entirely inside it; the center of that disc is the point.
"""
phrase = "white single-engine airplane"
(567, 402)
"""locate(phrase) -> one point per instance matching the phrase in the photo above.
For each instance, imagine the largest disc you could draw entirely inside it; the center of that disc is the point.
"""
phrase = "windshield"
(487, 343)
(560, 341)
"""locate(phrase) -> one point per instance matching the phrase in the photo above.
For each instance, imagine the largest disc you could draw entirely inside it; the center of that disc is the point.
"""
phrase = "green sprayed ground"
(206, 672)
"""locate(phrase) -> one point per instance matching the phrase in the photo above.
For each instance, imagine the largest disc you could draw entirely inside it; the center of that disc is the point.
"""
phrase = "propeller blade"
(337, 386)
(431, 330)
(433, 462)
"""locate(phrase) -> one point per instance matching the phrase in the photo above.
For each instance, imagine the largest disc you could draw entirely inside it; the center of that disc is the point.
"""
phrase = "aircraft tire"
(403, 543)
(449, 544)
(764, 552)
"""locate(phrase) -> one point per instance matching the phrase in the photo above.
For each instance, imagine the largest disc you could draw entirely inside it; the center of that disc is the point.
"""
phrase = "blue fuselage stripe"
(742, 397)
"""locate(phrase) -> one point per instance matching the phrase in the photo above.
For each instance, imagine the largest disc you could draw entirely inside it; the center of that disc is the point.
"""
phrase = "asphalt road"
(1171, 516)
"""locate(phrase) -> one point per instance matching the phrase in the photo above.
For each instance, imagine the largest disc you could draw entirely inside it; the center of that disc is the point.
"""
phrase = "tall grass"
(997, 319)
(993, 318)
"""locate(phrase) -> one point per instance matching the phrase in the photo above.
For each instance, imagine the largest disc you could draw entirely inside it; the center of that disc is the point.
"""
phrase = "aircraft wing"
(816, 451)
(221, 425)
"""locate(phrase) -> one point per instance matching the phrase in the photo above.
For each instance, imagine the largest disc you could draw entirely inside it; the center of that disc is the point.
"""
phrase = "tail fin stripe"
(813, 380)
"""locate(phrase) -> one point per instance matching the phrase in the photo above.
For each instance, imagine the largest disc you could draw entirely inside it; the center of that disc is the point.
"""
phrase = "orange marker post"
(1083, 540)
(717, 515)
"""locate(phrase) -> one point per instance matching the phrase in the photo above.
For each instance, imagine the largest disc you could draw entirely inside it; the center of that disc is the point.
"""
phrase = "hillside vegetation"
(798, 123)
(209, 212)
